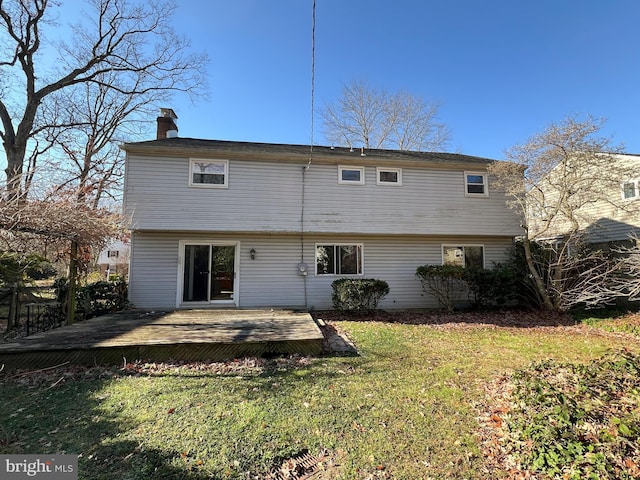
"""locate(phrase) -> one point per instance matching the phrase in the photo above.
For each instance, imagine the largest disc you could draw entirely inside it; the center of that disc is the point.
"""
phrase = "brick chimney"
(167, 126)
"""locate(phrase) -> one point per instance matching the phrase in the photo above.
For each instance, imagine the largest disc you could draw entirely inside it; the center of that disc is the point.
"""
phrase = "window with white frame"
(353, 175)
(630, 189)
(463, 255)
(388, 176)
(475, 184)
(208, 173)
(112, 253)
(339, 259)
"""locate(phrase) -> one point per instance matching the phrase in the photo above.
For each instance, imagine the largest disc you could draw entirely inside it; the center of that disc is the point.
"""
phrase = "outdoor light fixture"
(252, 253)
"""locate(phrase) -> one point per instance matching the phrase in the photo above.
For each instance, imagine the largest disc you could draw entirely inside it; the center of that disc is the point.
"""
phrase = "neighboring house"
(604, 201)
(223, 223)
(113, 259)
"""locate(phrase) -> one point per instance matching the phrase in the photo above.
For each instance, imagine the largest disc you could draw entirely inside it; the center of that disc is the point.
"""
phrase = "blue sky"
(501, 70)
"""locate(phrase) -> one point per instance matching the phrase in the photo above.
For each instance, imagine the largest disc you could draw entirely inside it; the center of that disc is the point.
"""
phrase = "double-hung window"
(476, 184)
(463, 255)
(208, 173)
(339, 259)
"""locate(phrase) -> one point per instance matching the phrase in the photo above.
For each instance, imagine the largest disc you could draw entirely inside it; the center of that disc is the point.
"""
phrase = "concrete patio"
(192, 335)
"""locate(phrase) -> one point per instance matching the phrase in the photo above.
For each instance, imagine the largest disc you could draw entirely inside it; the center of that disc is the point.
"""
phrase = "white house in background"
(237, 224)
(114, 258)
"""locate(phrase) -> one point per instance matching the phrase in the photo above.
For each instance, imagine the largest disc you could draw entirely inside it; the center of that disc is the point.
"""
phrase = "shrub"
(443, 282)
(495, 287)
(95, 298)
(359, 295)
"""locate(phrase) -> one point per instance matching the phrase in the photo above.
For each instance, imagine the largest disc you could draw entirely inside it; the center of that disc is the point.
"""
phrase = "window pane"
(389, 177)
(473, 257)
(325, 260)
(629, 190)
(475, 179)
(210, 179)
(475, 188)
(212, 173)
(453, 255)
(350, 175)
(349, 256)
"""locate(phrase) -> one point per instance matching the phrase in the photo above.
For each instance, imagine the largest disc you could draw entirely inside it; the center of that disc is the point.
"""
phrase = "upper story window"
(112, 253)
(208, 173)
(354, 175)
(389, 176)
(341, 259)
(630, 190)
(463, 255)
(475, 184)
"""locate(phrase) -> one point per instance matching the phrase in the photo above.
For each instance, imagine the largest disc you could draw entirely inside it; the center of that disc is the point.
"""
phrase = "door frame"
(236, 267)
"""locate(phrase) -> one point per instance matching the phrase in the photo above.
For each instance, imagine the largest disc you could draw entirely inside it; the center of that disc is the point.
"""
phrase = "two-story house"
(595, 200)
(224, 223)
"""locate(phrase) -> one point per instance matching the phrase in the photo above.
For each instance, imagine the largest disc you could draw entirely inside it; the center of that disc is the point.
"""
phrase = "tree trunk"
(73, 280)
(540, 287)
(13, 307)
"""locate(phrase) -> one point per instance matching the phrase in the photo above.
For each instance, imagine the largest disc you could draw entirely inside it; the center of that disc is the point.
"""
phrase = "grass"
(405, 408)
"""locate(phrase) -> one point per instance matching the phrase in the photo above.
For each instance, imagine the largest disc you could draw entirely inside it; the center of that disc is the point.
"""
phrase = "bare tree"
(87, 156)
(135, 42)
(560, 181)
(372, 118)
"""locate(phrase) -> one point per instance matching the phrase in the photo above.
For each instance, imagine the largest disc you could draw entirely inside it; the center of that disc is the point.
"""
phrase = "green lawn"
(406, 408)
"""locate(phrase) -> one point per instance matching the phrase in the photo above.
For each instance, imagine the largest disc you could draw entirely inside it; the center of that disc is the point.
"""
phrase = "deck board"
(182, 335)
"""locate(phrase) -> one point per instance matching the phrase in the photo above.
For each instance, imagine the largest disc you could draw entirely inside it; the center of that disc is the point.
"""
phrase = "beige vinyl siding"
(267, 197)
(271, 280)
(395, 260)
(260, 197)
(152, 271)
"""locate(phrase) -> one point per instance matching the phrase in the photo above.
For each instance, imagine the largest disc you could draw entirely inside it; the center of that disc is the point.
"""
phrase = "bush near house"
(482, 287)
(97, 298)
(358, 295)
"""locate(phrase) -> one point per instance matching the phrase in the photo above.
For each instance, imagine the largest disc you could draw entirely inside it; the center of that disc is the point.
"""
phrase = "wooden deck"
(194, 335)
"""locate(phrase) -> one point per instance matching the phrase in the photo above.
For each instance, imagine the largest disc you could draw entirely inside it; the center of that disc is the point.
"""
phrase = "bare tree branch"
(131, 42)
(375, 119)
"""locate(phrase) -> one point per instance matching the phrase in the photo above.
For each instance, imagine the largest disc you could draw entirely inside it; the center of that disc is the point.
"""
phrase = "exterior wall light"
(252, 253)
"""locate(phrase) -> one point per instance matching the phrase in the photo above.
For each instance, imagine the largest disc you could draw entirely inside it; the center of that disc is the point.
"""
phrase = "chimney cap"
(169, 113)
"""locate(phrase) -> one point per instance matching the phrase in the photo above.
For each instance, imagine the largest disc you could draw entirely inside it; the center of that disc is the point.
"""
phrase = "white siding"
(271, 280)
(267, 197)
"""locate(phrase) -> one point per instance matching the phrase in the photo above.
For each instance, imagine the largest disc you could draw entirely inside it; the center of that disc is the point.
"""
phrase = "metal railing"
(42, 316)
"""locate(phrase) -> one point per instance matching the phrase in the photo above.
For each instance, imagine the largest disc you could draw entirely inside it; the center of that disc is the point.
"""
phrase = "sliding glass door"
(209, 273)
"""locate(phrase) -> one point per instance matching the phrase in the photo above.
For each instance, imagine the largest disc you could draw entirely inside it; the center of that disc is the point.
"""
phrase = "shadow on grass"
(67, 419)
(63, 411)
(501, 318)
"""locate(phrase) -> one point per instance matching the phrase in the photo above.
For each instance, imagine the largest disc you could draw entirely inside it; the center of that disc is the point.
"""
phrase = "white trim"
(341, 168)
(389, 169)
(338, 244)
(485, 180)
(463, 245)
(180, 277)
(209, 185)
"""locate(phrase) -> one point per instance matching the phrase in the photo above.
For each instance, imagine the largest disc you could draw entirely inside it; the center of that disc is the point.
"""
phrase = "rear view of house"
(222, 223)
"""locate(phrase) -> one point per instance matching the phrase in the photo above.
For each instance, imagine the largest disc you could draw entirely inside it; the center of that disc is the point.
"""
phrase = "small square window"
(476, 184)
(389, 176)
(112, 254)
(354, 175)
(208, 173)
